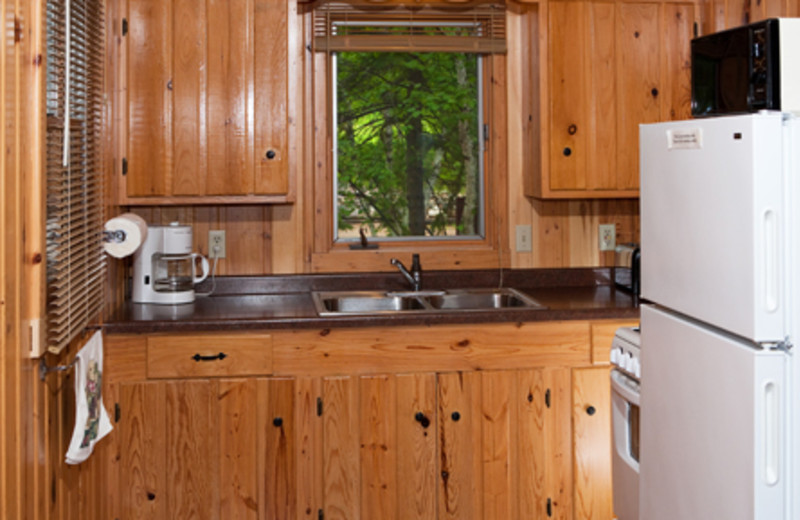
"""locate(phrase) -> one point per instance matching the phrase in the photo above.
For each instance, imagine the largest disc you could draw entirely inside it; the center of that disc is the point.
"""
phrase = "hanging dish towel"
(91, 419)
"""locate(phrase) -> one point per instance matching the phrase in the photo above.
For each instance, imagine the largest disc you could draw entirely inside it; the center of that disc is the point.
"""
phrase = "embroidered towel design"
(91, 420)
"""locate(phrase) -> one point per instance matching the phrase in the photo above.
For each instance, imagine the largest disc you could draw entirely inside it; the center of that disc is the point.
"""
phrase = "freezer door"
(712, 194)
(712, 424)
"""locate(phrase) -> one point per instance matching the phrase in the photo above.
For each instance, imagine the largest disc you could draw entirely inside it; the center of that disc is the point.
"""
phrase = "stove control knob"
(615, 355)
(636, 368)
(627, 361)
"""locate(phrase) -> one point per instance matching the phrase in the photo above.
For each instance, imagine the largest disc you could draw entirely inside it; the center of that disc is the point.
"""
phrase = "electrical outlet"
(523, 239)
(216, 244)
(608, 237)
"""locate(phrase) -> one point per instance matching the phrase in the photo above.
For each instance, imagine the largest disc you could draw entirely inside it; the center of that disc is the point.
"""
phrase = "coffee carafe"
(165, 268)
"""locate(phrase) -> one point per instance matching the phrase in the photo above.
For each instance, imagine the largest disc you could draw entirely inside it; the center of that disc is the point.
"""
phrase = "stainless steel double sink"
(339, 303)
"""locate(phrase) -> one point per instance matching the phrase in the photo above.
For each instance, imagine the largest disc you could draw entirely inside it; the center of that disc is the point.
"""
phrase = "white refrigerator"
(719, 264)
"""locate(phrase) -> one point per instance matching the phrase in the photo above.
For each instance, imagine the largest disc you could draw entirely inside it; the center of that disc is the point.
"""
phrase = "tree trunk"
(414, 168)
(470, 160)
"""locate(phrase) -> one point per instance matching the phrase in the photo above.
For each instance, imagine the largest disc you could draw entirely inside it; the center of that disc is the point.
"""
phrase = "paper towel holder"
(117, 236)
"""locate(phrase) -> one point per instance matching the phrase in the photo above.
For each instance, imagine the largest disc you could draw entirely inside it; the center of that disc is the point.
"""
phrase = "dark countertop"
(284, 302)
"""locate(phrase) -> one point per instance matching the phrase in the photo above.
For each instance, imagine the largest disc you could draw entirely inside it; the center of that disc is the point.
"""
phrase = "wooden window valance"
(475, 27)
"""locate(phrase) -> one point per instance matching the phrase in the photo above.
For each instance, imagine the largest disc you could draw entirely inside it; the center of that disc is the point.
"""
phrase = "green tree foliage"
(408, 143)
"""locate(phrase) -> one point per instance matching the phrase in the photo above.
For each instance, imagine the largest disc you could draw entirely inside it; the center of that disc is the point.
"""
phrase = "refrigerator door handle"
(771, 433)
(770, 261)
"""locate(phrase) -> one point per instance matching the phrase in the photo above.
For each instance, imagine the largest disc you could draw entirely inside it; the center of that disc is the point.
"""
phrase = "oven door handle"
(618, 385)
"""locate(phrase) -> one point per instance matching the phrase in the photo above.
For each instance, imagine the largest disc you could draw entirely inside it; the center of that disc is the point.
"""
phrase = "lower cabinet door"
(200, 449)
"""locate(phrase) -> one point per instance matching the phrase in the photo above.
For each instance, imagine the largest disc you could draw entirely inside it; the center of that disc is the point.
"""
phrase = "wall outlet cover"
(216, 243)
(607, 237)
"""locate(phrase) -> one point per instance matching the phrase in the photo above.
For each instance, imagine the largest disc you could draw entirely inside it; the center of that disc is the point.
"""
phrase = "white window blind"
(74, 177)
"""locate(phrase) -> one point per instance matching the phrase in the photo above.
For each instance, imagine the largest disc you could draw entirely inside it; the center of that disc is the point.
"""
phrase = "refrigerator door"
(712, 424)
(712, 194)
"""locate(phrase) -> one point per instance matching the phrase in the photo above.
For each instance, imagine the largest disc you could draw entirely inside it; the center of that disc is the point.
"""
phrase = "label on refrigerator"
(685, 139)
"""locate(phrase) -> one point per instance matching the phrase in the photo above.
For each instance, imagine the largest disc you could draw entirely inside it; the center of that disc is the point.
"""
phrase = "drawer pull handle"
(220, 356)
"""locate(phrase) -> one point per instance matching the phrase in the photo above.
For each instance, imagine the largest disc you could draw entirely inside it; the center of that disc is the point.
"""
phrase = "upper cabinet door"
(207, 102)
(611, 66)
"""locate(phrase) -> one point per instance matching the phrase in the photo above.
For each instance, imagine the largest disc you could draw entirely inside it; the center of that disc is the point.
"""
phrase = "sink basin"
(483, 299)
(364, 303)
(461, 300)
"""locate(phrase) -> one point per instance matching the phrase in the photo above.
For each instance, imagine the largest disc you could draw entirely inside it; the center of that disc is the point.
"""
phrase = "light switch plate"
(523, 239)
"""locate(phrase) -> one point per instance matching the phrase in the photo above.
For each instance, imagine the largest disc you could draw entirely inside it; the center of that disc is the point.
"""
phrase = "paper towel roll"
(135, 231)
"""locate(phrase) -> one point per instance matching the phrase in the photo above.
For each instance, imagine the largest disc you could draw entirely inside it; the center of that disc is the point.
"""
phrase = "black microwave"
(744, 69)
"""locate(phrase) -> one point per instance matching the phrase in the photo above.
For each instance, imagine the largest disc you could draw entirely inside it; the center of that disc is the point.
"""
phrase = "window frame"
(328, 255)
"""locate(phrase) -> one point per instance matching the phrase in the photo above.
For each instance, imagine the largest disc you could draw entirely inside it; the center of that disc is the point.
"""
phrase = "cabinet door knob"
(567, 151)
(277, 422)
(271, 154)
(654, 92)
(590, 410)
(422, 419)
(455, 416)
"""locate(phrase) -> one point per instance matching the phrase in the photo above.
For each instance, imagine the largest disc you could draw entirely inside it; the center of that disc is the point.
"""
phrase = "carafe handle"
(204, 265)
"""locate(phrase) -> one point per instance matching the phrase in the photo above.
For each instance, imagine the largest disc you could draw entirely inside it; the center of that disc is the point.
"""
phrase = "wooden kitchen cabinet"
(453, 445)
(208, 101)
(610, 67)
(591, 443)
(208, 448)
(340, 423)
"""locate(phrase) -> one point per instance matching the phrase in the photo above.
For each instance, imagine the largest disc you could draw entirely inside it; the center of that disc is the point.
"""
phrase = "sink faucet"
(415, 276)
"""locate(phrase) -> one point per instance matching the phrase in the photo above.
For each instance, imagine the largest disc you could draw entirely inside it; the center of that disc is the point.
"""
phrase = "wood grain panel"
(249, 240)
(238, 461)
(229, 97)
(129, 353)
(340, 454)
(277, 470)
(676, 98)
(459, 347)
(499, 449)
(602, 83)
(149, 49)
(568, 123)
(192, 460)
(531, 437)
(378, 453)
(226, 355)
(460, 488)
(639, 83)
(416, 446)
(558, 445)
(308, 436)
(271, 103)
(188, 89)
(592, 444)
(143, 429)
(602, 337)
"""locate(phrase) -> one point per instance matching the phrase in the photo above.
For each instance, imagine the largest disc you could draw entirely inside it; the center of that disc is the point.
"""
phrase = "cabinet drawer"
(209, 355)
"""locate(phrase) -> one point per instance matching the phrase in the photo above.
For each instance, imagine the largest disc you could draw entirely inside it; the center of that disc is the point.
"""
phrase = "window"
(407, 145)
(74, 187)
(406, 101)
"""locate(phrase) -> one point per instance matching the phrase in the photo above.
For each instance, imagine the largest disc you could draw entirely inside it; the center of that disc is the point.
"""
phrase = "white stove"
(625, 379)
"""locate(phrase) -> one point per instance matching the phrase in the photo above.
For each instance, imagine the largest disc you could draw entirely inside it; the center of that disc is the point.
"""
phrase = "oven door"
(625, 457)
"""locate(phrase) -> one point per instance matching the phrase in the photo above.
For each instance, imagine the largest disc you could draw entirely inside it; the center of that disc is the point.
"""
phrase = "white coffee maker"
(165, 268)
